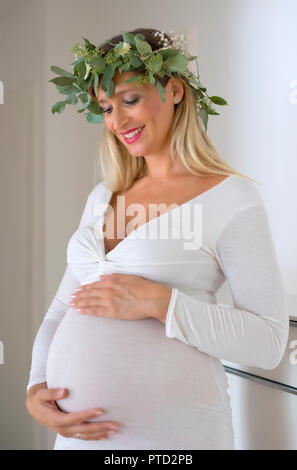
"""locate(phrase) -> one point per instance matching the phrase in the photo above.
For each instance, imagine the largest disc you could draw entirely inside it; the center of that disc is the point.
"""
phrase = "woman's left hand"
(123, 296)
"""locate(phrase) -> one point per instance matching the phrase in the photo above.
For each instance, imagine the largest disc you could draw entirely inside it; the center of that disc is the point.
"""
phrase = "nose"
(119, 119)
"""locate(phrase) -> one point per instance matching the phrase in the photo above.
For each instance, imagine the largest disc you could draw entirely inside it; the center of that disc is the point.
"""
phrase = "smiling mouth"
(135, 136)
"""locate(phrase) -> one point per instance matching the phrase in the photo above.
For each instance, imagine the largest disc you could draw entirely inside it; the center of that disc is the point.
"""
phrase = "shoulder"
(239, 193)
(99, 192)
(98, 198)
(229, 199)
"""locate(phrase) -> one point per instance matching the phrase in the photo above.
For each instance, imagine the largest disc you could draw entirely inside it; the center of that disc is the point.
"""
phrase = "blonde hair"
(188, 139)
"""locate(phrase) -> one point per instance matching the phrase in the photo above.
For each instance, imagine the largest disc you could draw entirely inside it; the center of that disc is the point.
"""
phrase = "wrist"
(161, 302)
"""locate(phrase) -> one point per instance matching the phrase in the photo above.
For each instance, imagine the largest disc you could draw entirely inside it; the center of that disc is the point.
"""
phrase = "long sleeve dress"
(165, 385)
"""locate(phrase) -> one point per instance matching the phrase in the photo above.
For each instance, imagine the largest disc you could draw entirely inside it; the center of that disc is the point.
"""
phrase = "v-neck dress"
(165, 385)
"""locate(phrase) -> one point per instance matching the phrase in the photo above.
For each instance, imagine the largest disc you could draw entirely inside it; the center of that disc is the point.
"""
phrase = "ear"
(176, 88)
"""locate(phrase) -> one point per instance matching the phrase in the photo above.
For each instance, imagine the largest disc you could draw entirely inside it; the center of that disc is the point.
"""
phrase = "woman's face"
(140, 107)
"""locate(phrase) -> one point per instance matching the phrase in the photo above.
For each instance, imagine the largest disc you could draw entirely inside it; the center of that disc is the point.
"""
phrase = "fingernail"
(98, 413)
(78, 289)
(60, 392)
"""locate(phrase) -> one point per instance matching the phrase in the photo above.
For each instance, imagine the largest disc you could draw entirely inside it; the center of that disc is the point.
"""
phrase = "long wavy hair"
(188, 139)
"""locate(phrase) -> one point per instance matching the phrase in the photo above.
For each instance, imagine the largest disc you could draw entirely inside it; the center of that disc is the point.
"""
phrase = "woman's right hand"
(42, 406)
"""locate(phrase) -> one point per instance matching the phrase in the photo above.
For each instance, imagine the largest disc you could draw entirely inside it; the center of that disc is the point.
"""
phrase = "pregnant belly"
(140, 378)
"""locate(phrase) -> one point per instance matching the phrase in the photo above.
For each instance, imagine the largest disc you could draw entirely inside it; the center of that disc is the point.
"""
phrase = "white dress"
(165, 385)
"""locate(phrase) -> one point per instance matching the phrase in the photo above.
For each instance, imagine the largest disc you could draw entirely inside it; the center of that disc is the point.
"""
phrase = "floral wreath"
(134, 53)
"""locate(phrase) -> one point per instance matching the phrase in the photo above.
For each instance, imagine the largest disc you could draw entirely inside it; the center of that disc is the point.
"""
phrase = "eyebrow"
(118, 93)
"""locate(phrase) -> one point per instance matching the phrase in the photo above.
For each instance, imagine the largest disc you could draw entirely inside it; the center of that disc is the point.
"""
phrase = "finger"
(96, 311)
(91, 301)
(87, 437)
(91, 294)
(63, 419)
(47, 394)
(91, 428)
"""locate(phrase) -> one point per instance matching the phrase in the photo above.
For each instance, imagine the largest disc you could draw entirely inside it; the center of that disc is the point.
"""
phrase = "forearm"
(160, 296)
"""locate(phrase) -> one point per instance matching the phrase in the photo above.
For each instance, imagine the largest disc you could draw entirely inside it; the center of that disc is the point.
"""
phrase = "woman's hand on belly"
(123, 296)
(42, 406)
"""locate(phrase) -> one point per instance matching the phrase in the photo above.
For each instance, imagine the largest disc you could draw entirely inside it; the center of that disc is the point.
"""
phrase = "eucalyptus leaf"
(66, 90)
(204, 117)
(143, 47)
(58, 107)
(140, 36)
(96, 81)
(107, 76)
(161, 91)
(89, 45)
(218, 100)
(84, 97)
(175, 63)
(71, 99)
(131, 79)
(81, 69)
(94, 107)
(64, 81)
(60, 71)
(97, 62)
(129, 38)
(77, 61)
(152, 78)
(135, 61)
(155, 63)
(94, 118)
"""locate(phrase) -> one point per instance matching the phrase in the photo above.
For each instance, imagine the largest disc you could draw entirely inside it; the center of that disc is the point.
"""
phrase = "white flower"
(124, 49)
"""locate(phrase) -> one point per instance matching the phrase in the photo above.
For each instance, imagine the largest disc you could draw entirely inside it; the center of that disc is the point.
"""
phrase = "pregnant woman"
(135, 330)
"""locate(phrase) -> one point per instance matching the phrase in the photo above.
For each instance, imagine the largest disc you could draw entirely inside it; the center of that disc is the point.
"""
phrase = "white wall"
(22, 209)
(246, 53)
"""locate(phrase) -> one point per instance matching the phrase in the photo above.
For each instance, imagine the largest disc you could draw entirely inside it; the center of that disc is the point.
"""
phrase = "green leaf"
(129, 38)
(81, 69)
(132, 79)
(152, 78)
(135, 61)
(66, 90)
(124, 67)
(218, 100)
(94, 118)
(154, 63)
(192, 57)
(140, 36)
(161, 91)
(204, 117)
(84, 97)
(107, 77)
(212, 111)
(60, 71)
(94, 107)
(165, 53)
(78, 86)
(143, 47)
(64, 81)
(97, 62)
(90, 46)
(96, 81)
(176, 63)
(58, 107)
(71, 99)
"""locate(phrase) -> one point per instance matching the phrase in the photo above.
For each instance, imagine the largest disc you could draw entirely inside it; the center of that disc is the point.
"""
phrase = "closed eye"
(127, 102)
